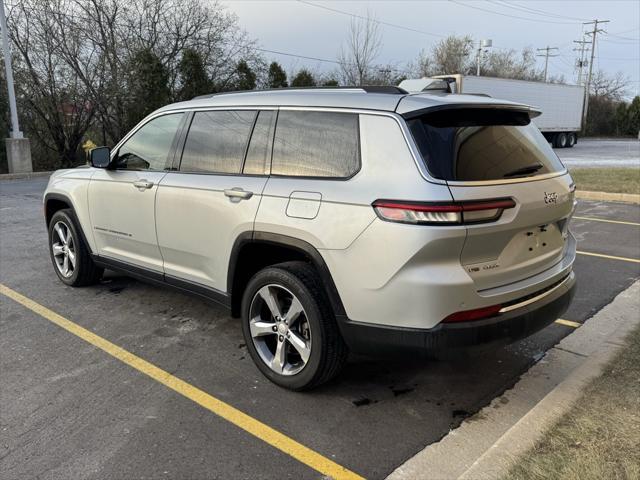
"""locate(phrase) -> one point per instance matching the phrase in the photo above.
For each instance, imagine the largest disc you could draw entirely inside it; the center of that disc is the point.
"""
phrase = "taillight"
(475, 314)
(454, 213)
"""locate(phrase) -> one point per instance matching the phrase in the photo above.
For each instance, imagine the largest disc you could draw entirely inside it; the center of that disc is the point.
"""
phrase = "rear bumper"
(505, 328)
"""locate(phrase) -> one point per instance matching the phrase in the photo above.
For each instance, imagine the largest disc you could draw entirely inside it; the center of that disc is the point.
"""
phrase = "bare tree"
(362, 47)
(450, 55)
(167, 28)
(58, 105)
(457, 55)
(611, 87)
(508, 64)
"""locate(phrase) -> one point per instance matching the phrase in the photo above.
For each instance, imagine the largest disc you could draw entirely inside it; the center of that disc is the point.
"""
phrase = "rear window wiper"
(527, 170)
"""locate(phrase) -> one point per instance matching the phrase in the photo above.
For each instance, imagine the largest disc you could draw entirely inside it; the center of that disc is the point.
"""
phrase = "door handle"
(238, 193)
(143, 184)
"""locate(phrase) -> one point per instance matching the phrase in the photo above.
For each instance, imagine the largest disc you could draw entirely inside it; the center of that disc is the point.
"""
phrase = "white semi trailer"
(561, 105)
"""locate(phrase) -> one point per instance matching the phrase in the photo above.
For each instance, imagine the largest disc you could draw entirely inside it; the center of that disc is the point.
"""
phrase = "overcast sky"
(303, 29)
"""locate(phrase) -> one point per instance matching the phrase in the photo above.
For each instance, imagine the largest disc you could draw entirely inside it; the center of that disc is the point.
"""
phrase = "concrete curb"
(486, 445)
(21, 176)
(609, 197)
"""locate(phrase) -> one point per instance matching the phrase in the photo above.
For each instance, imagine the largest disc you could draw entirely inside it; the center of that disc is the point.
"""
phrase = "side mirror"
(100, 157)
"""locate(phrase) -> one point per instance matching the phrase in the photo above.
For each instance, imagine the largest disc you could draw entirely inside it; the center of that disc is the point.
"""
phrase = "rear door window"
(217, 141)
(316, 144)
(482, 144)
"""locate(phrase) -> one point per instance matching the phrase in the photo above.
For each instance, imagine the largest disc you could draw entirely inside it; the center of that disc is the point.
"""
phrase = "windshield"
(482, 144)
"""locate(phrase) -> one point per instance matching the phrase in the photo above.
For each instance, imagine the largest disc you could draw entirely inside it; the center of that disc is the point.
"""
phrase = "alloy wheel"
(63, 249)
(280, 329)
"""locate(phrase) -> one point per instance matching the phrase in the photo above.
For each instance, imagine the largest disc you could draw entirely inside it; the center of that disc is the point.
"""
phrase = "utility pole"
(546, 55)
(593, 34)
(18, 148)
(582, 62)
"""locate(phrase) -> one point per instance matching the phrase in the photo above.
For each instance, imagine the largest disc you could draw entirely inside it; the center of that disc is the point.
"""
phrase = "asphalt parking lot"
(69, 410)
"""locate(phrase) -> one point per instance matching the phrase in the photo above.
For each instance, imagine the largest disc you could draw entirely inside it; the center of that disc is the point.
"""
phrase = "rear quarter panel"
(388, 170)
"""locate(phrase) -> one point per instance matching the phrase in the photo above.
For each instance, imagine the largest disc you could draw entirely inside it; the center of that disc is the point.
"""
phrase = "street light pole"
(18, 148)
(15, 127)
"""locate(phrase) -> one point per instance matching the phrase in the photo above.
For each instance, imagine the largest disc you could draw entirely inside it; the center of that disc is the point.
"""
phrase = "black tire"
(328, 350)
(560, 140)
(85, 271)
(571, 140)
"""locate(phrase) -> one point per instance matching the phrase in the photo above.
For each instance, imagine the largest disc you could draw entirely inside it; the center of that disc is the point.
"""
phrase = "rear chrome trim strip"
(535, 299)
(481, 183)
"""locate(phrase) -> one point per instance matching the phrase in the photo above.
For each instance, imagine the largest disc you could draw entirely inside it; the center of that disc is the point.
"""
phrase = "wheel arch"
(54, 202)
(253, 251)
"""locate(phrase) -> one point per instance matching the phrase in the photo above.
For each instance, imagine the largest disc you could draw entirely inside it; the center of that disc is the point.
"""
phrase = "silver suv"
(362, 219)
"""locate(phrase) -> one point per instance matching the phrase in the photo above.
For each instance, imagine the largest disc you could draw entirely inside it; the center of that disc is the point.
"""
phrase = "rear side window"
(217, 141)
(316, 144)
(482, 144)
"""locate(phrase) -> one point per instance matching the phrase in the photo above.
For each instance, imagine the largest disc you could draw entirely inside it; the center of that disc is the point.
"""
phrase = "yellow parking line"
(568, 323)
(233, 415)
(593, 219)
(611, 257)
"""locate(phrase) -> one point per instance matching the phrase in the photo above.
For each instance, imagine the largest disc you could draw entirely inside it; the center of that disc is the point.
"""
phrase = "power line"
(623, 38)
(622, 59)
(266, 50)
(362, 17)
(625, 31)
(511, 16)
(534, 11)
(560, 68)
(287, 54)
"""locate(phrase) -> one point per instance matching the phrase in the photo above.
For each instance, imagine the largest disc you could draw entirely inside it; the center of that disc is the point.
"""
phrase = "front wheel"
(289, 327)
(69, 254)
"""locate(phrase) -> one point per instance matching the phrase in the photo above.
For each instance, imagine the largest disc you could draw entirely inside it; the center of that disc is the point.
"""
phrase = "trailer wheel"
(560, 140)
(571, 140)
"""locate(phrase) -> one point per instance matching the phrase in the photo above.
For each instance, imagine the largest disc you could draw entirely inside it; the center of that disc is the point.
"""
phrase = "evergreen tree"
(330, 83)
(303, 79)
(633, 117)
(192, 75)
(148, 86)
(276, 77)
(246, 76)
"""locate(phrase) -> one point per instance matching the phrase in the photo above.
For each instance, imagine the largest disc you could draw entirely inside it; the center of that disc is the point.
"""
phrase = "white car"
(330, 220)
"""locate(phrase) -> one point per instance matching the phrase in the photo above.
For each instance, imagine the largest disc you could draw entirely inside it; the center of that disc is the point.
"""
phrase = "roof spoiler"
(532, 112)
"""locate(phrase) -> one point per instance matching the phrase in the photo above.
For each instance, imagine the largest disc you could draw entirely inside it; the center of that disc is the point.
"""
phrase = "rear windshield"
(482, 144)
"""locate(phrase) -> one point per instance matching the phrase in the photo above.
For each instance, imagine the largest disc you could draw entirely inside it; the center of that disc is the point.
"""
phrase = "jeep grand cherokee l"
(360, 219)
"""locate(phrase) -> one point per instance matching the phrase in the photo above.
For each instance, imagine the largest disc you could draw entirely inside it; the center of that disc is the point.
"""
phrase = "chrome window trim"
(360, 111)
(404, 128)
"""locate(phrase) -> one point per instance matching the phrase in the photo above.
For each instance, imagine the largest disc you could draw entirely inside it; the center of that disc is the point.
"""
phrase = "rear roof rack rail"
(389, 89)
